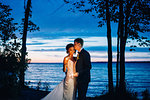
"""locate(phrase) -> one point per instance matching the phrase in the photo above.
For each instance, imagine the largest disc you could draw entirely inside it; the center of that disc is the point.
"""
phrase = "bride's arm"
(65, 64)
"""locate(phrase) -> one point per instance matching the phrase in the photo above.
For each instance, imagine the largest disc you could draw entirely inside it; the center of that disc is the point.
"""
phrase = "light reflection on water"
(137, 76)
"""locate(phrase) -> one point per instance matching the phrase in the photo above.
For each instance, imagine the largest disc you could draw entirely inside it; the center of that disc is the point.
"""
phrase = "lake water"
(137, 76)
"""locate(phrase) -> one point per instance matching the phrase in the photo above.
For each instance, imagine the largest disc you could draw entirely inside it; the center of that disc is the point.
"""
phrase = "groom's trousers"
(82, 89)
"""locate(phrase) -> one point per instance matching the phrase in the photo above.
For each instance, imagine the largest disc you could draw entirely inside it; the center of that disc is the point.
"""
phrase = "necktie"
(78, 56)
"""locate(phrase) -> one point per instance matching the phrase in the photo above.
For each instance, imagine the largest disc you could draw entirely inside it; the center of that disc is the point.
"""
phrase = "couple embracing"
(77, 77)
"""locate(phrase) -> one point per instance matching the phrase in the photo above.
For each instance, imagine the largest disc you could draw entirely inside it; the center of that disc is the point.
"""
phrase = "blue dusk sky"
(58, 27)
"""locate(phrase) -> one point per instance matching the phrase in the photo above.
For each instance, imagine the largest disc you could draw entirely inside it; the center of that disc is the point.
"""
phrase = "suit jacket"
(83, 66)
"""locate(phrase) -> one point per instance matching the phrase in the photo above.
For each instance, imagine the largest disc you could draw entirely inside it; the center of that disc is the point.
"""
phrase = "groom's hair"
(79, 40)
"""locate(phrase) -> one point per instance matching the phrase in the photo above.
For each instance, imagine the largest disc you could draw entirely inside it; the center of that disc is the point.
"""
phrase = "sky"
(58, 27)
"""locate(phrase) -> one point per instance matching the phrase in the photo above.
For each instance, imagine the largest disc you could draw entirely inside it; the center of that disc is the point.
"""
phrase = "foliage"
(97, 8)
(9, 73)
(31, 26)
(10, 52)
(146, 95)
(136, 11)
(7, 27)
(137, 20)
(38, 85)
(10, 48)
(46, 86)
(132, 17)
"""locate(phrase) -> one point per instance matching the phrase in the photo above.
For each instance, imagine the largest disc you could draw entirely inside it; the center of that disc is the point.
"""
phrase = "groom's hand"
(76, 74)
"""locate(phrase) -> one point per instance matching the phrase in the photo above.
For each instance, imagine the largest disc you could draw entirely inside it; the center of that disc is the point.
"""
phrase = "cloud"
(35, 43)
(90, 43)
(55, 49)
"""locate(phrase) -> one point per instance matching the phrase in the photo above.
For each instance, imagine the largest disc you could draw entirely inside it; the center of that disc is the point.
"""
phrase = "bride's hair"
(69, 46)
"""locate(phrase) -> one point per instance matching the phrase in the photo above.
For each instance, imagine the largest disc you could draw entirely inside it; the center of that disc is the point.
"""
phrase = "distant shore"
(92, 62)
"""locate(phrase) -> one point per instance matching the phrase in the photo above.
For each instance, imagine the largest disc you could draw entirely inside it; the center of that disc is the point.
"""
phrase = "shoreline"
(33, 94)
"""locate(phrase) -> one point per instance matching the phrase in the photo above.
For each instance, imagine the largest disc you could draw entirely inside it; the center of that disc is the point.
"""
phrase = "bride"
(67, 88)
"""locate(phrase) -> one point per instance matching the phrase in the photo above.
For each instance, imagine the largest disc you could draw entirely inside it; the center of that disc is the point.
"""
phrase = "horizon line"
(91, 62)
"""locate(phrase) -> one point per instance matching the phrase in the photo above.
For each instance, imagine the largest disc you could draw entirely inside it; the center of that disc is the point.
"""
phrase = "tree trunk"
(118, 54)
(23, 52)
(122, 49)
(110, 75)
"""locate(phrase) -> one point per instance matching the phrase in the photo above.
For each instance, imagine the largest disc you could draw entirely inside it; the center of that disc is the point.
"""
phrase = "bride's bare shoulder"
(66, 58)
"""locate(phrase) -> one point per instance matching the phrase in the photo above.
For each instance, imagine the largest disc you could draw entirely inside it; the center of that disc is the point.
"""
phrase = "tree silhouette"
(7, 27)
(11, 67)
(10, 55)
(102, 10)
(118, 58)
(110, 75)
(23, 53)
(122, 61)
(134, 18)
(27, 26)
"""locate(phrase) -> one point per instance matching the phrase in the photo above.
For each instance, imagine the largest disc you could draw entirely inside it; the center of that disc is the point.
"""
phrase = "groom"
(83, 67)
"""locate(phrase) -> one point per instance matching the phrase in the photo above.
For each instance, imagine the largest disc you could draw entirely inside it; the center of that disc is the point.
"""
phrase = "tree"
(27, 26)
(118, 58)
(110, 75)
(10, 55)
(10, 51)
(102, 10)
(23, 53)
(122, 63)
(7, 27)
(134, 18)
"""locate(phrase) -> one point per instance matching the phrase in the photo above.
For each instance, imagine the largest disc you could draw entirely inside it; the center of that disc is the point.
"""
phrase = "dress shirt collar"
(81, 50)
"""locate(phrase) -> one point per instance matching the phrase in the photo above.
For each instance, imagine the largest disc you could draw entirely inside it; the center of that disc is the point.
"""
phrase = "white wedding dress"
(65, 90)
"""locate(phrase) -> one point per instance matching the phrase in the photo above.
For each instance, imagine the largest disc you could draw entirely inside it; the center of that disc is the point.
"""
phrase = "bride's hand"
(76, 74)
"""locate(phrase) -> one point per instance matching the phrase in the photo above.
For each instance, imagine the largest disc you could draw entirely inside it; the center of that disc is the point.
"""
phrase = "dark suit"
(83, 67)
